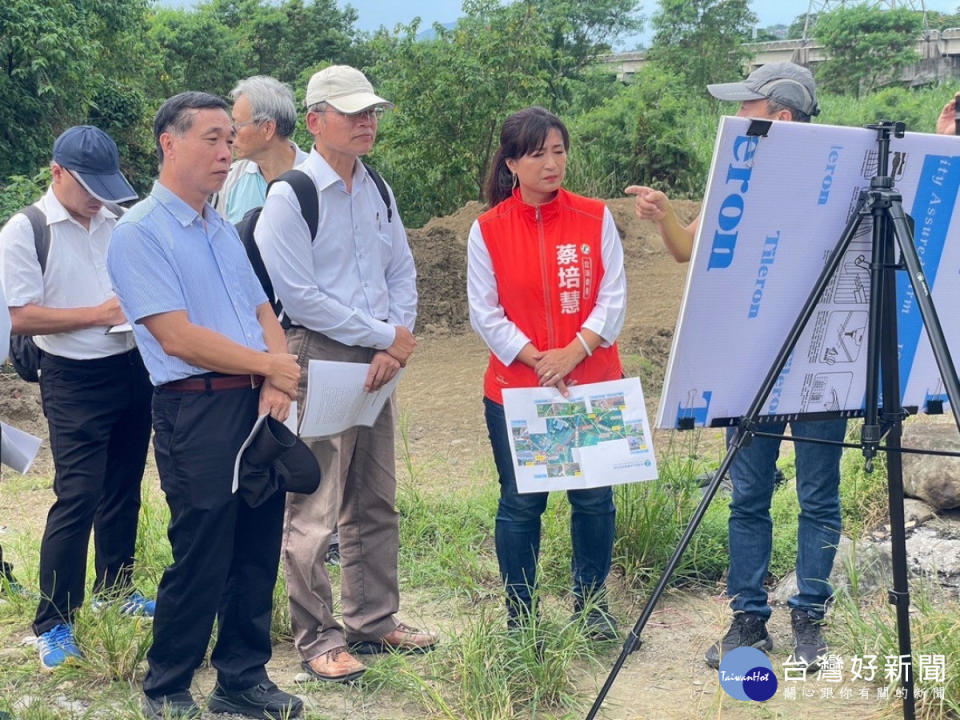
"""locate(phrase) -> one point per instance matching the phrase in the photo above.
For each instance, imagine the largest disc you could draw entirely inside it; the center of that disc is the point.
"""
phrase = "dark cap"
(91, 157)
(787, 83)
(276, 459)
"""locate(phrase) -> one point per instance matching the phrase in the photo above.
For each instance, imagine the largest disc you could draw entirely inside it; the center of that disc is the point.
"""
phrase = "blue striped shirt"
(165, 257)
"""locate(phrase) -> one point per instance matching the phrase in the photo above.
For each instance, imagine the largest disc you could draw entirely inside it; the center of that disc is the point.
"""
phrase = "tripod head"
(885, 129)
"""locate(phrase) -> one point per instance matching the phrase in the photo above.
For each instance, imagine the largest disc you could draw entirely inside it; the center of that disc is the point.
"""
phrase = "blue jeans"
(818, 531)
(517, 533)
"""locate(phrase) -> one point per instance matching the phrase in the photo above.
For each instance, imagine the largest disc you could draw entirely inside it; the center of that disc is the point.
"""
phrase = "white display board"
(775, 208)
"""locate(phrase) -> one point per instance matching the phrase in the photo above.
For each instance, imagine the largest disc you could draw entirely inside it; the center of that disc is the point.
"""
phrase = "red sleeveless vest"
(548, 266)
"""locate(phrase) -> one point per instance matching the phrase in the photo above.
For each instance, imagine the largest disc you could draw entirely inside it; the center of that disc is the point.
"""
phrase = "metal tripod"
(891, 229)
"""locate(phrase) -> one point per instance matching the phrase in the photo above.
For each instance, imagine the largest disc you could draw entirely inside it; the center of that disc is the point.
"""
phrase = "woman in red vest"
(547, 294)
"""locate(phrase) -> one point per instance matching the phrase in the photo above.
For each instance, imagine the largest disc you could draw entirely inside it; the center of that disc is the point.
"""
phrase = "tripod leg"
(908, 253)
(633, 639)
(750, 417)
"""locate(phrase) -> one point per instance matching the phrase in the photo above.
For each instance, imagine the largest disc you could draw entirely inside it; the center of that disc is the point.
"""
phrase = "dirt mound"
(20, 407)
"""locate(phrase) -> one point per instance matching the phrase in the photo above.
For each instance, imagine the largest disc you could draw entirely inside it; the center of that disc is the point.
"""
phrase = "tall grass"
(486, 672)
(481, 669)
(867, 625)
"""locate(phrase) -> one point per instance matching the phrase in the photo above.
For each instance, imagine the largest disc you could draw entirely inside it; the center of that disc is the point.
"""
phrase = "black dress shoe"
(265, 700)
(170, 707)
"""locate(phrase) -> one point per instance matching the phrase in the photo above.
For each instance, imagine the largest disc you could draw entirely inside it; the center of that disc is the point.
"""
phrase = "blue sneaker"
(134, 605)
(57, 646)
(138, 605)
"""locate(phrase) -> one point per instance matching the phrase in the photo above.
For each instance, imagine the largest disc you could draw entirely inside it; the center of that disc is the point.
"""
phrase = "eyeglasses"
(237, 125)
(374, 113)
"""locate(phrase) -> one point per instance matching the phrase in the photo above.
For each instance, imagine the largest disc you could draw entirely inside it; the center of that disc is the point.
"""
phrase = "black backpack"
(306, 192)
(24, 353)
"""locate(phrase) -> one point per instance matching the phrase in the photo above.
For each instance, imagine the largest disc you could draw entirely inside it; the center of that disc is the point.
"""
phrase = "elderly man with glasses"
(350, 294)
(264, 118)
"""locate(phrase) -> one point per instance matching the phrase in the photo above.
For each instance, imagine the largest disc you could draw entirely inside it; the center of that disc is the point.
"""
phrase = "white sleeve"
(20, 272)
(286, 247)
(401, 274)
(487, 317)
(606, 318)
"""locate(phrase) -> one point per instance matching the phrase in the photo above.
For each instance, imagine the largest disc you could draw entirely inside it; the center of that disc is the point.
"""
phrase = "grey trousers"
(357, 493)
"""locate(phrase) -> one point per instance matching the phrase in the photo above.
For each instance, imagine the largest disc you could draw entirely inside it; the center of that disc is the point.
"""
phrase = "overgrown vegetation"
(111, 63)
(447, 555)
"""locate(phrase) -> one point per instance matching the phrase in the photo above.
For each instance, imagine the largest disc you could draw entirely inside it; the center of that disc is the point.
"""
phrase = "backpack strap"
(41, 234)
(382, 188)
(306, 192)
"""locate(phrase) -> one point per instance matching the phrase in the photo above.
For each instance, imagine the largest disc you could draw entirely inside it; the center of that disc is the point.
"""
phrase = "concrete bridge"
(939, 52)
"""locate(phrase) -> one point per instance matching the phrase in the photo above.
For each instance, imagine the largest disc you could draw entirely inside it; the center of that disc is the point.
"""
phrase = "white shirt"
(76, 276)
(4, 326)
(356, 281)
(502, 336)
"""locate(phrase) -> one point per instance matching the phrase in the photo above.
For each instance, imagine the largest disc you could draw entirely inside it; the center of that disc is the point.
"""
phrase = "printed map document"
(336, 399)
(17, 448)
(598, 436)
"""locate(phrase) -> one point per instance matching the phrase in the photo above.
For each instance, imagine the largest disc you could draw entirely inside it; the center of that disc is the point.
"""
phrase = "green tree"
(198, 51)
(281, 39)
(575, 33)
(452, 93)
(866, 46)
(56, 56)
(652, 132)
(702, 40)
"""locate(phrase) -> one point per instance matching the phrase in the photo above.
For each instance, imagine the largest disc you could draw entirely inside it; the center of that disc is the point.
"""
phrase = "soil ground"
(441, 414)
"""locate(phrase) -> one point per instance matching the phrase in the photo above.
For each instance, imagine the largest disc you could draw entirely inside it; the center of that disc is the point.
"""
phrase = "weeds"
(865, 626)
(481, 669)
(487, 672)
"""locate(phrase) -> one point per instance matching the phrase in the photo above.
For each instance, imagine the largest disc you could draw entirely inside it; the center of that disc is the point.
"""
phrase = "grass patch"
(486, 672)
(862, 626)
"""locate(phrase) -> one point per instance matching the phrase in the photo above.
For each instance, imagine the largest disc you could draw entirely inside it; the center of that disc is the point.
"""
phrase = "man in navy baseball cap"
(94, 387)
(91, 156)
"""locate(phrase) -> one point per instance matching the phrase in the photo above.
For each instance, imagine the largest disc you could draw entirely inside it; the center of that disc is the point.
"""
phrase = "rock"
(932, 478)
(788, 584)
(934, 555)
(917, 511)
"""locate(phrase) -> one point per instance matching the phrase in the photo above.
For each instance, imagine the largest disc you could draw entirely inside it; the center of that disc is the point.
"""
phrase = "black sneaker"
(598, 623)
(175, 706)
(808, 643)
(746, 630)
(333, 554)
(265, 700)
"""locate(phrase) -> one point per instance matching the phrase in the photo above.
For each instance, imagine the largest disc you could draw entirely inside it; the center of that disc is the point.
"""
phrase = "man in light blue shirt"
(264, 118)
(350, 294)
(217, 356)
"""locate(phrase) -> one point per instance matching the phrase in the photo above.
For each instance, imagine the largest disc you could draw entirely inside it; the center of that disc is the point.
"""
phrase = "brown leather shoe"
(337, 665)
(402, 639)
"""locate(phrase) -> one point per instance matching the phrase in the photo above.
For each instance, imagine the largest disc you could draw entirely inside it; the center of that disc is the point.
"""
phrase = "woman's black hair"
(523, 132)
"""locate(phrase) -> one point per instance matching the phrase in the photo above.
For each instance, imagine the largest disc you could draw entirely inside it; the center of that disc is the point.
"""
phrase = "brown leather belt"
(220, 382)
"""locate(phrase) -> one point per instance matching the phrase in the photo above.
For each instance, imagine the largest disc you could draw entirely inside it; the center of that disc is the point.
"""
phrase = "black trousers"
(6, 569)
(225, 554)
(98, 412)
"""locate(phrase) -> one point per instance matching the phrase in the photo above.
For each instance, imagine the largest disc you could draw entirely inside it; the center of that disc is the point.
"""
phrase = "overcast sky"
(374, 13)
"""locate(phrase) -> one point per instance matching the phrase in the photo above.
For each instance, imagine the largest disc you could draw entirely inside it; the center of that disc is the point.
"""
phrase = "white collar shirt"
(356, 281)
(75, 276)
